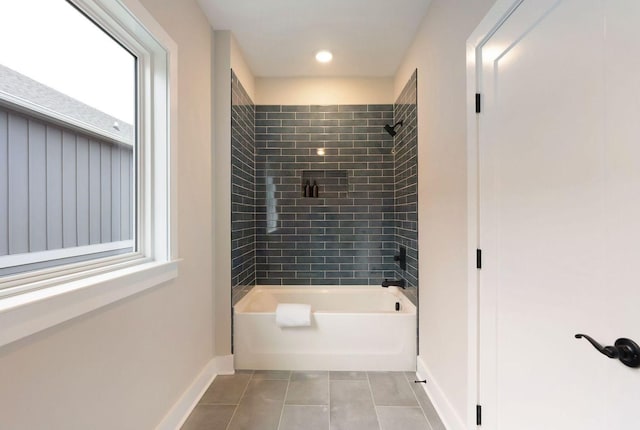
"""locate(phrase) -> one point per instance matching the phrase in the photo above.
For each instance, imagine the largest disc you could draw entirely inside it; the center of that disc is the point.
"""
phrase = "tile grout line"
(284, 401)
(418, 400)
(373, 400)
(240, 401)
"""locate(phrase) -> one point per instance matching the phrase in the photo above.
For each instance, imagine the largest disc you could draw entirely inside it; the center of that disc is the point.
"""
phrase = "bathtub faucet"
(394, 283)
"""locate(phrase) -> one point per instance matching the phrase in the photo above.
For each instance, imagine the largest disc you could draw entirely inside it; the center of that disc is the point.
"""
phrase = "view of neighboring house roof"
(25, 88)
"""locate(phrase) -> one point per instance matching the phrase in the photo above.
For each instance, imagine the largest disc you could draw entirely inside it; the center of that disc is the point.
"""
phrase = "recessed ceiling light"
(324, 56)
(320, 151)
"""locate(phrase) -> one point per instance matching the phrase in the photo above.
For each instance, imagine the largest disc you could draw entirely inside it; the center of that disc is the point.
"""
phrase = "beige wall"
(221, 177)
(242, 69)
(439, 54)
(124, 366)
(323, 91)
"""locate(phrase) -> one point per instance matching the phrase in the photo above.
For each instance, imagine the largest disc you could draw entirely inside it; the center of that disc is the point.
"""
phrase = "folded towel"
(293, 315)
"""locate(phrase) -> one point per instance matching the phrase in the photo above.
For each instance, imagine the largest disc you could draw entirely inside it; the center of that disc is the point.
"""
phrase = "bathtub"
(352, 328)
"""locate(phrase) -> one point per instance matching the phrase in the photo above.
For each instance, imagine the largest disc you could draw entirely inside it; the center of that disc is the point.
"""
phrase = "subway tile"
(314, 115)
(323, 108)
(281, 115)
(355, 281)
(339, 116)
(367, 115)
(268, 123)
(354, 122)
(324, 122)
(325, 281)
(309, 129)
(381, 108)
(352, 108)
(295, 122)
(267, 108)
(296, 108)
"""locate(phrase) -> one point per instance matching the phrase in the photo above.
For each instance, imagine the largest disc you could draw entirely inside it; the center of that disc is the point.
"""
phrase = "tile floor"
(284, 400)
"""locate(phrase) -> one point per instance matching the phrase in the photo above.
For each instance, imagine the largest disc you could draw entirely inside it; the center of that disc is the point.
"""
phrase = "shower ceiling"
(279, 38)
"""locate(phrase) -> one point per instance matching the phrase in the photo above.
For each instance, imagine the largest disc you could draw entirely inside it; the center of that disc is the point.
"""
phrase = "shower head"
(392, 129)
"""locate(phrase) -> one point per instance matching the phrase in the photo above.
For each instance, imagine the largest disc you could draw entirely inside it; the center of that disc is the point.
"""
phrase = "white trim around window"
(49, 297)
(58, 254)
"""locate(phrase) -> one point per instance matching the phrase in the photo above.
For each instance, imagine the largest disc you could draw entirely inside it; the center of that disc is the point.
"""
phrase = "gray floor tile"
(427, 406)
(261, 406)
(304, 417)
(271, 374)
(402, 418)
(226, 389)
(209, 417)
(308, 388)
(347, 376)
(391, 389)
(351, 406)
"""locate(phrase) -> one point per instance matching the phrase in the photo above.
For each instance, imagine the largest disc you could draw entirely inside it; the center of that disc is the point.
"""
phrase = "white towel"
(293, 315)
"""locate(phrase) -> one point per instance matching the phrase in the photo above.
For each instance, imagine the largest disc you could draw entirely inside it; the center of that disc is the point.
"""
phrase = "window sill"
(28, 313)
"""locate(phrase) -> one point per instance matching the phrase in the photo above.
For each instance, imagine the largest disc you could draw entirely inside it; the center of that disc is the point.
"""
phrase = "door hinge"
(478, 258)
(478, 102)
(478, 415)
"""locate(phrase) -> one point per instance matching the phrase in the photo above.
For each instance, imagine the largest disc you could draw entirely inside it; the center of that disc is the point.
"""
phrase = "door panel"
(559, 148)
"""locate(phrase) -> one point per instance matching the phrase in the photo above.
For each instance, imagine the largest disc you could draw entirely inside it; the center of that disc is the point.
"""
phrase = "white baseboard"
(181, 410)
(449, 416)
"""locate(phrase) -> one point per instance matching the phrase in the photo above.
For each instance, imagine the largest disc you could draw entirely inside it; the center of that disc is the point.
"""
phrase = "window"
(87, 103)
(67, 139)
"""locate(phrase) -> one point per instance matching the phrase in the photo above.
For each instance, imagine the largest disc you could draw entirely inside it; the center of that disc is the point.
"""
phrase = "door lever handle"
(626, 350)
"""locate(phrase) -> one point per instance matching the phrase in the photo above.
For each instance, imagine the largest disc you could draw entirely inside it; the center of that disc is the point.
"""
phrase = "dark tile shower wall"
(347, 234)
(406, 182)
(243, 223)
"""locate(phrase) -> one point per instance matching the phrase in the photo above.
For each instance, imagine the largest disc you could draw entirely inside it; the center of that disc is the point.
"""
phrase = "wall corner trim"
(449, 416)
(180, 411)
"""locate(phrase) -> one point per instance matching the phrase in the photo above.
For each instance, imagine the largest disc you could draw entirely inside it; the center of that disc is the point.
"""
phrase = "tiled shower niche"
(345, 236)
(331, 183)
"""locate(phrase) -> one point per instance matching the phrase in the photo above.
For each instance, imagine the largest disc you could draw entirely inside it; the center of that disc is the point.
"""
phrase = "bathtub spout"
(394, 283)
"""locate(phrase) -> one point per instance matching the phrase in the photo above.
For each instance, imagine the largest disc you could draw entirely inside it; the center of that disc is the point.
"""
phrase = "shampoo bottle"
(307, 190)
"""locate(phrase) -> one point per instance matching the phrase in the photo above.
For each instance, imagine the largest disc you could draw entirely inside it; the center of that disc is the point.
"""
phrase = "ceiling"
(279, 38)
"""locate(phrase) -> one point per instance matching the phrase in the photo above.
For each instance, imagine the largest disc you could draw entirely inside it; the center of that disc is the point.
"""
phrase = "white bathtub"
(352, 328)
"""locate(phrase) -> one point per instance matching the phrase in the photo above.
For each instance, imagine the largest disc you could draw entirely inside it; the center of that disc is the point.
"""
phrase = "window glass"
(67, 138)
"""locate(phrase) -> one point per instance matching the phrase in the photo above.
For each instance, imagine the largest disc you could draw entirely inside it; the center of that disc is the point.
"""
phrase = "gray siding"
(59, 188)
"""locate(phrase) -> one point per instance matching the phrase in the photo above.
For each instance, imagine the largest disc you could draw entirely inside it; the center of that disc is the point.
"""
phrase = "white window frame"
(33, 301)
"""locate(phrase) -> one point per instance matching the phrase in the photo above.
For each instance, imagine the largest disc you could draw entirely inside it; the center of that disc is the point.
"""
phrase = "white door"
(559, 215)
